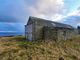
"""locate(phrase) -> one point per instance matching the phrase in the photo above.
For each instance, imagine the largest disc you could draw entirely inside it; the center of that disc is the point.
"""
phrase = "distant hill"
(11, 33)
(17, 48)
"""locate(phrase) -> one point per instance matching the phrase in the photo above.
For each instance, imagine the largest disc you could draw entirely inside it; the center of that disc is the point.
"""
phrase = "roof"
(51, 23)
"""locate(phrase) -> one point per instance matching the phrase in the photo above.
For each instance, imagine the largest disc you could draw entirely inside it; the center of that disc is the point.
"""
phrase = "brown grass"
(17, 48)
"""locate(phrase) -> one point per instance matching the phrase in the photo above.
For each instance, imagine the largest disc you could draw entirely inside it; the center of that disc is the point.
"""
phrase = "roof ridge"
(46, 20)
(49, 20)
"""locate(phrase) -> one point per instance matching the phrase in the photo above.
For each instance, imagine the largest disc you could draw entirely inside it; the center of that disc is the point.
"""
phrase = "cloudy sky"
(14, 13)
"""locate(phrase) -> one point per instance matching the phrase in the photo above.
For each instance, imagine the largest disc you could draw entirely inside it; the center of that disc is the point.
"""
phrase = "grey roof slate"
(51, 23)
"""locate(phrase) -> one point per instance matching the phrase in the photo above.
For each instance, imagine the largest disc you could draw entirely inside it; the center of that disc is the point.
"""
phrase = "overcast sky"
(14, 13)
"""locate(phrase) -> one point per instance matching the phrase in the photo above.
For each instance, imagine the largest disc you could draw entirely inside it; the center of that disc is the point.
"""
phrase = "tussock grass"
(17, 48)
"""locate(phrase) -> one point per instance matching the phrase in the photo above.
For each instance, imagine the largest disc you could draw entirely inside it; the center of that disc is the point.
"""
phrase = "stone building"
(78, 30)
(37, 29)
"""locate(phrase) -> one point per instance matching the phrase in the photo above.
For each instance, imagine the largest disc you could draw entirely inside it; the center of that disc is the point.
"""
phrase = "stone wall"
(50, 33)
(42, 31)
(65, 34)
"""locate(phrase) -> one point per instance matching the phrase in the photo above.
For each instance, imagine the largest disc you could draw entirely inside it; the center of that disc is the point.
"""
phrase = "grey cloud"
(13, 11)
(72, 20)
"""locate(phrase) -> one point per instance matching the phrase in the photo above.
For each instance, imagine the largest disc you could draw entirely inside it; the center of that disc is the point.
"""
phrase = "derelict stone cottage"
(78, 30)
(37, 29)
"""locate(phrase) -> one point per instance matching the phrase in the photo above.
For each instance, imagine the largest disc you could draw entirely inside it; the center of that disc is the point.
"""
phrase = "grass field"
(17, 48)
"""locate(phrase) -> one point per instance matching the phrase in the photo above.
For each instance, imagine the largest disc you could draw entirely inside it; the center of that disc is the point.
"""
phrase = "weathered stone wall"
(60, 34)
(50, 33)
(39, 31)
(46, 33)
(28, 32)
(65, 34)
